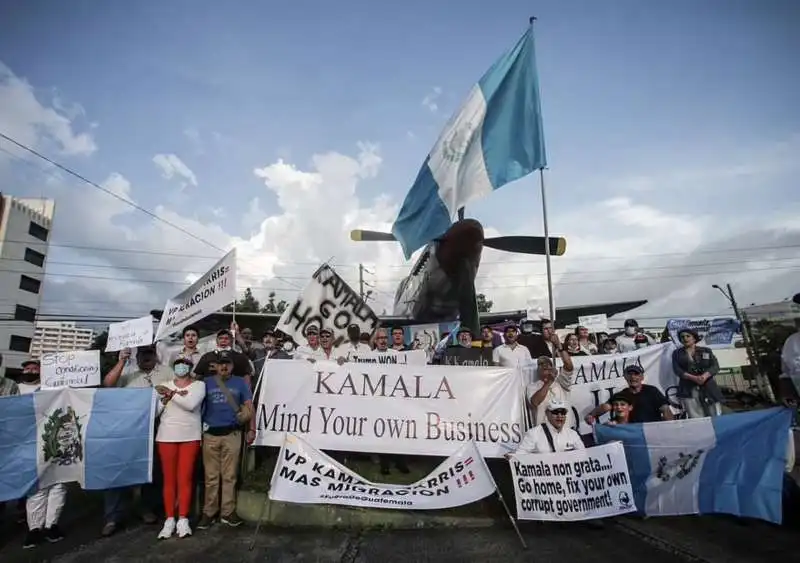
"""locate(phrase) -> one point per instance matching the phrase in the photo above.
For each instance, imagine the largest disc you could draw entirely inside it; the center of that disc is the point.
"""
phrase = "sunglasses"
(559, 412)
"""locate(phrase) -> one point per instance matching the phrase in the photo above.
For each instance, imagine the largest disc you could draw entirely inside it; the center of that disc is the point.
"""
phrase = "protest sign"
(130, 334)
(714, 333)
(410, 357)
(305, 475)
(402, 409)
(594, 323)
(328, 302)
(576, 485)
(79, 368)
(461, 356)
(215, 289)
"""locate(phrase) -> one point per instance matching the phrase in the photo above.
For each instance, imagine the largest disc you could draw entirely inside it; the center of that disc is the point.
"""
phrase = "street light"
(748, 341)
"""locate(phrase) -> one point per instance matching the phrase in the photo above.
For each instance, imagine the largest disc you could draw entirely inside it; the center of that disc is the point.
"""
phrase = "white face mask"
(630, 330)
(181, 370)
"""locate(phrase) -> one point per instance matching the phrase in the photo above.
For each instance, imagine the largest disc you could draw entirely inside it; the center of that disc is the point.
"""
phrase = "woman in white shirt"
(179, 433)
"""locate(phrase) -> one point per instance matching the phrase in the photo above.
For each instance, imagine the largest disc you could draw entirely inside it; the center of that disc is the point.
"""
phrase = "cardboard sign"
(79, 368)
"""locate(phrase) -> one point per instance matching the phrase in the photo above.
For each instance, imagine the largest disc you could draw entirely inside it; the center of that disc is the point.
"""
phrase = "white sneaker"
(168, 529)
(183, 528)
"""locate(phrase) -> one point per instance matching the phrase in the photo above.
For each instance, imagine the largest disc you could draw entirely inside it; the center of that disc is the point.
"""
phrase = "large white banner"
(305, 475)
(328, 302)
(207, 295)
(402, 409)
(576, 485)
(598, 377)
(130, 334)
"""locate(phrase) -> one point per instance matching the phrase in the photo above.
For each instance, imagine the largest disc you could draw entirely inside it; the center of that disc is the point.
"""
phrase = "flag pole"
(531, 21)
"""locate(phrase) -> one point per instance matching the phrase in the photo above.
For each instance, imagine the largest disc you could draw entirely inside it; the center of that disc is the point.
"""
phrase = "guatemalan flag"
(731, 464)
(496, 137)
(100, 438)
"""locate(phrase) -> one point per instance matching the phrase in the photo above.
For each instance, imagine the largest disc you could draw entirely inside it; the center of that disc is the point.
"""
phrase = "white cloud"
(39, 126)
(172, 166)
(637, 250)
(430, 101)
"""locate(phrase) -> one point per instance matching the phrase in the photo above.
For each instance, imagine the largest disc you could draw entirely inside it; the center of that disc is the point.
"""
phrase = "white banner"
(600, 376)
(576, 485)
(418, 410)
(411, 358)
(594, 323)
(207, 295)
(130, 334)
(328, 302)
(79, 368)
(305, 475)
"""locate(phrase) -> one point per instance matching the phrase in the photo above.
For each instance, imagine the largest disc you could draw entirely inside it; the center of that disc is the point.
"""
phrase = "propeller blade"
(361, 235)
(527, 245)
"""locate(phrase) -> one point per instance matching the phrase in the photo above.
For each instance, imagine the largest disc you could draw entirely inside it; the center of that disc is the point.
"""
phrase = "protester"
(311, 350)
(382, 343)
(633, 338)
(241, 364)
(178, 439)
(399, 339)
(487, 337)
(552, 434)
(648, 403)
(326, 343)
(510, 353)
(584, 341)
(695, 366)
(621, 407)
(190, 335)
(42, 507)
(245, 343)
(610, 346)
(573, 346)
(790, 364)
(352, 345)
(229, 408)
(550, 386)
(148, 373)
(464, 337)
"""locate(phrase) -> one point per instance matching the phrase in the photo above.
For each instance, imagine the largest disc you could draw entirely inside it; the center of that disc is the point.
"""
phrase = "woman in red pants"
(178, 438)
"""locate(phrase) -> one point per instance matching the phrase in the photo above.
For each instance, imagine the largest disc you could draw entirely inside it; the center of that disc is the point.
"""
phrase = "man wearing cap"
(353, 345)
(621, 407)
(148, 373)
(695, 367)
(311, 350)
(648, 403)
(464, 337)
(222, 440)
(552, 434)
(241, 364)
(551, 384)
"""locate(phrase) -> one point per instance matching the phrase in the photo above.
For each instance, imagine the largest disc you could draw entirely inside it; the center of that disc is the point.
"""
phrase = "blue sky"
(680, 107)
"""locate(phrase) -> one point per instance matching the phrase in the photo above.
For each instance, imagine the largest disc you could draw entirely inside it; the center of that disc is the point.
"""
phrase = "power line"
(107, 191)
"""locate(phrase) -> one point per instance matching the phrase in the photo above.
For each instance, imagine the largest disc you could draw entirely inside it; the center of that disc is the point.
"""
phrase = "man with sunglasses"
(553, 435)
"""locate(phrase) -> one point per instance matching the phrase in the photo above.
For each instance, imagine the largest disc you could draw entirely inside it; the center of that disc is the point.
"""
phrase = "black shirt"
(647, 404)
(241, 365)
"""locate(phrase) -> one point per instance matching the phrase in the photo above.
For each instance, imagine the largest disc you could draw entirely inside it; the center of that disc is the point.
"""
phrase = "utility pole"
(747, 338)
(365, 295)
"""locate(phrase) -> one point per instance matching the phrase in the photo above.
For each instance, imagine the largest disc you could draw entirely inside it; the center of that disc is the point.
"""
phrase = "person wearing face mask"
(610, 346)
(43, 507)
(178, 442)
(633, 339)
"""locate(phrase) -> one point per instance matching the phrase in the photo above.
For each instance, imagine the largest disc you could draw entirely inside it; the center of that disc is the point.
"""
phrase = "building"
(25, 226)
(51, 336)
(784, 312)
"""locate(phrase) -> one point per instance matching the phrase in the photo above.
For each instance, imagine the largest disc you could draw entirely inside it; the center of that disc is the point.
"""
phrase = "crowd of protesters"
(206, 413)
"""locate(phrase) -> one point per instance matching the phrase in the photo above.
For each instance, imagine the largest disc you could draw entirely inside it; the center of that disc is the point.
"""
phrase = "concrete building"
(784, 312)
(51, 336)
(25, 226)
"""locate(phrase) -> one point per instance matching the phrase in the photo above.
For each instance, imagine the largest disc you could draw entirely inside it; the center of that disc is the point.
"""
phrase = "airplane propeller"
(517, 244)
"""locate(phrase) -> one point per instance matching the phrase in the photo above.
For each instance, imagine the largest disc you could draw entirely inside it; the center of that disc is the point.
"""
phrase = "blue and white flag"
(496, 137)
(100, 438)
(730, 464)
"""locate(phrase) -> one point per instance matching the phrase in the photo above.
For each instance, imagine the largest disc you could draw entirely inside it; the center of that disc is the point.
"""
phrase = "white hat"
(555, 404)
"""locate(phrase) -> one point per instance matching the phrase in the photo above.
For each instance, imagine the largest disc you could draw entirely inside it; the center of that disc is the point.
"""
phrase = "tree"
(107, 359)
(484, 305)
(247, 304)
(274, 308)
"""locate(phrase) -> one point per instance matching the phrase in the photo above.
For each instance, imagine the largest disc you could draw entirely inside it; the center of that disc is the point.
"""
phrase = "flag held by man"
(496, 137)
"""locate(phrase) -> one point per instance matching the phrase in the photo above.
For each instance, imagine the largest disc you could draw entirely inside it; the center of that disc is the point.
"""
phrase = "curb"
(250, 505)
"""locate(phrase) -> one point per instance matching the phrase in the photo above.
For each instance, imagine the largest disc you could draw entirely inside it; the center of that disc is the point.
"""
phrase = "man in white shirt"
(312, 350)
(382, 343)
(552, 435)
(510, 353)
(353, 345)
(551, 385)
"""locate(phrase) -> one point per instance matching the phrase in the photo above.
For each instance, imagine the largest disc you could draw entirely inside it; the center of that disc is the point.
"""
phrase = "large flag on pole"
(496, 137)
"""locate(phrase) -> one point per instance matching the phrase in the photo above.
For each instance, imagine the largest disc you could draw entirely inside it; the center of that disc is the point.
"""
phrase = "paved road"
(665, 540)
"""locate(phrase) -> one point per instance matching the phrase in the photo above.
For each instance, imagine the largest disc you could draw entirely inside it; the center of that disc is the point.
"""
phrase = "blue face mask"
(181, 370)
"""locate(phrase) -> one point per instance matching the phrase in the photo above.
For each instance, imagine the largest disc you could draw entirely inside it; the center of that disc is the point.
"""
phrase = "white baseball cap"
(555, 404)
